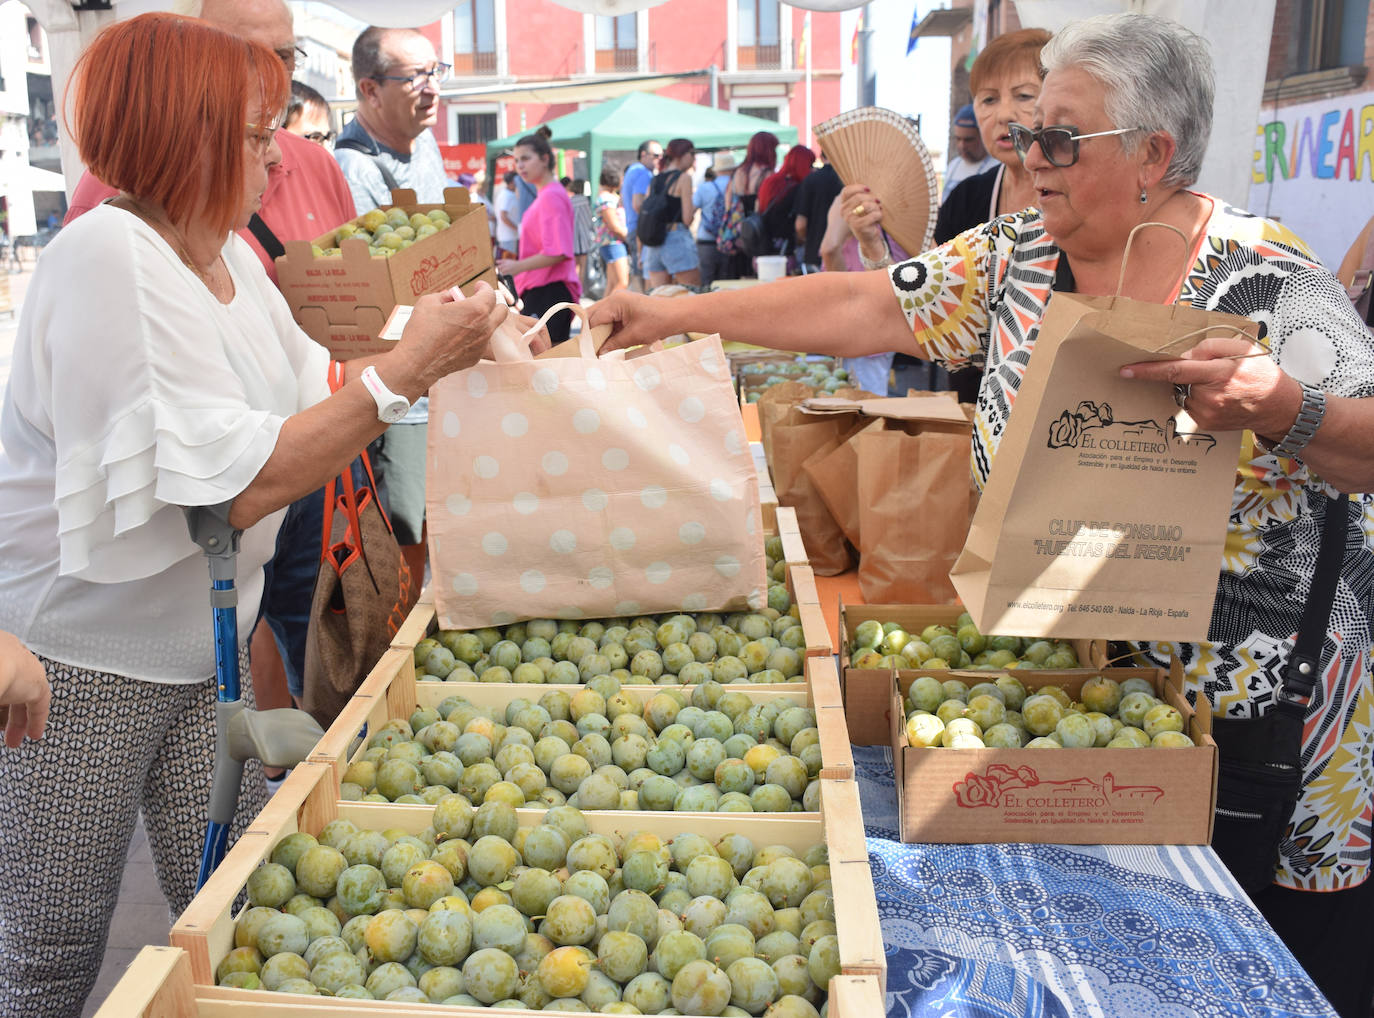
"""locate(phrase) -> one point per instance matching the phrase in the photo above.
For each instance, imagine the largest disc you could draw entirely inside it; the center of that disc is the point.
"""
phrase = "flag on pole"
(854, 42)
(912, 37)
(804, 41)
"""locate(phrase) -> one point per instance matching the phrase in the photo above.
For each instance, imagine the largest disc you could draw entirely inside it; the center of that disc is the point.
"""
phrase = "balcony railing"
(759, 58)
(617, 60)
(471, 64)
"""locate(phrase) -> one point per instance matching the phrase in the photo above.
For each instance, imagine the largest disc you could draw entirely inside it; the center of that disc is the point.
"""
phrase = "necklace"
(169, 232)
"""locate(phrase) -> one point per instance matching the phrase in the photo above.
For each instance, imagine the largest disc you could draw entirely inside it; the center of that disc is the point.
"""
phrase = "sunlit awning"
(569, 90)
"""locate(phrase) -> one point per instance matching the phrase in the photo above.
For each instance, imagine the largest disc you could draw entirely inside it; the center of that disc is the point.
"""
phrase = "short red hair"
(160, 98)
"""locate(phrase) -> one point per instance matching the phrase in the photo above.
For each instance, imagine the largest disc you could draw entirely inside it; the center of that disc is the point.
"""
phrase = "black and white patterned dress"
(979, 300)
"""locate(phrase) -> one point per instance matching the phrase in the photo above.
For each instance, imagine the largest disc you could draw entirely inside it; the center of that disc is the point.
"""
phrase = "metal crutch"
(279, 738)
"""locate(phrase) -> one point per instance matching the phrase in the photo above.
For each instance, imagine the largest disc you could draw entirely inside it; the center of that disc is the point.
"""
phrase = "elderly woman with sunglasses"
(1117, 138)
(156, 367)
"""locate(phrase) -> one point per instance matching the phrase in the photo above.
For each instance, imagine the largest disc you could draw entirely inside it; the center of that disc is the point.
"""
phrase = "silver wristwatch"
(391, 407)
(1310, 416)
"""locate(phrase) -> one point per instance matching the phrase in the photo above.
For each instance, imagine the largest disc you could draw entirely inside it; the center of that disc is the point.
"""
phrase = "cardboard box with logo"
(868, 691)
(342, 301)
(1065, 796)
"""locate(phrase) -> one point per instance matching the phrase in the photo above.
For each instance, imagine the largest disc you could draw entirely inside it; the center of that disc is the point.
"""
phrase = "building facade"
(30, 190)
(759, 50)
(1313, 165)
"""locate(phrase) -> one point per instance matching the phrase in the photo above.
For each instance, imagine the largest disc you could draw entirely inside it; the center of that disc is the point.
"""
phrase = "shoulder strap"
(274, 247)
(354, 145)
(1300, 673)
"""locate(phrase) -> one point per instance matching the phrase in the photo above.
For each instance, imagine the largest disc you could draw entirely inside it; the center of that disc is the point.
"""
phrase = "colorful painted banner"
(1313, 170)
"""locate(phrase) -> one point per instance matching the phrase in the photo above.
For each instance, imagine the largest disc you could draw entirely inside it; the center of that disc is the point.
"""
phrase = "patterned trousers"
(114, 747)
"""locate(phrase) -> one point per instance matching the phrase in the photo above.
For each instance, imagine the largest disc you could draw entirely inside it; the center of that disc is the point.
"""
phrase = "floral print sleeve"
(943, 294)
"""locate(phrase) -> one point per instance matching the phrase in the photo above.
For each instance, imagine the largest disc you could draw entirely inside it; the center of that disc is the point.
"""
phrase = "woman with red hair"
(796, 165)
(156, 367)
(741, 196)
(778, 198)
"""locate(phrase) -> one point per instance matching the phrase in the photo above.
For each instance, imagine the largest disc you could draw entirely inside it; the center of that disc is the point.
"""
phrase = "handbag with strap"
(1361, 288)
(363, 593)
(1259, 759)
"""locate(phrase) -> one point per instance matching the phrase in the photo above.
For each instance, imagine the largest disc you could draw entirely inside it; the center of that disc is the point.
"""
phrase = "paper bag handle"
(1125, 255)
(589, 340)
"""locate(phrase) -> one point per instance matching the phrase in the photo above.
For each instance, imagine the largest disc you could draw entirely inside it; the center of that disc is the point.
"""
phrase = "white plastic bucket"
(771, 267)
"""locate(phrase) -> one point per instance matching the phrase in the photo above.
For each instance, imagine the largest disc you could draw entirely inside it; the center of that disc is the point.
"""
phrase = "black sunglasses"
(320, 137)
(1059, 143)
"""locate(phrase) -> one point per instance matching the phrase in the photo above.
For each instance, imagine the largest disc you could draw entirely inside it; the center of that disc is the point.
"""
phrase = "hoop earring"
(1144, 198)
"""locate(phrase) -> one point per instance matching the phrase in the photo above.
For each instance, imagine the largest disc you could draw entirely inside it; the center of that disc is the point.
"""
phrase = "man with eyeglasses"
(633, 187)
(389, 144)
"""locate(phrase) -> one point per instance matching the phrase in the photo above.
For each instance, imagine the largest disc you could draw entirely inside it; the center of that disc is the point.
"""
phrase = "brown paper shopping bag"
(914, 504)
(590, 486)
(1106, 510)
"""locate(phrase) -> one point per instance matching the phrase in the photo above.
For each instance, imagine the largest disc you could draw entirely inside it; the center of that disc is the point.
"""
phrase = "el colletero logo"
(1003, 786)
(1094, 426)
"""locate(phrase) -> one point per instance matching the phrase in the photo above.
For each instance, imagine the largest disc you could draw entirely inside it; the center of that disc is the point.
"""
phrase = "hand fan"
(883, 149)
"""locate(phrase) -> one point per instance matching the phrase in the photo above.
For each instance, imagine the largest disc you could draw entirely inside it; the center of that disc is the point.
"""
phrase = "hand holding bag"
(1105, 511)
(362, 595)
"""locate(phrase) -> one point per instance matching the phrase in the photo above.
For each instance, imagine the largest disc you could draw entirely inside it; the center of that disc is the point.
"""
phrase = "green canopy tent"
(621, 124)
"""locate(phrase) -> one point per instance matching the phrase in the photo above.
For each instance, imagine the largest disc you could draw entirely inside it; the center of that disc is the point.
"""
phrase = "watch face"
(393, 412)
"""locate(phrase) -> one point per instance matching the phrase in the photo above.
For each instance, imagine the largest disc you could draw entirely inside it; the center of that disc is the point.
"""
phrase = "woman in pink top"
(545, 273)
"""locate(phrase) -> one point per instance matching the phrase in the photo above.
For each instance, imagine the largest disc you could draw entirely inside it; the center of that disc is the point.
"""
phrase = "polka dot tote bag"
(585, 486)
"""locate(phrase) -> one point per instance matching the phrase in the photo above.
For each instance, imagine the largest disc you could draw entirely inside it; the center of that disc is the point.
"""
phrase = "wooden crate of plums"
(422, 905)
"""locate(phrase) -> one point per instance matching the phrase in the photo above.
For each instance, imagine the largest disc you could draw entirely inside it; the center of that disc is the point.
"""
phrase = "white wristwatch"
(390, 407)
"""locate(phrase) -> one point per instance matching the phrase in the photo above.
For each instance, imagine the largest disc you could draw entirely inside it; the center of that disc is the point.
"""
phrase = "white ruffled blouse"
(134, 392)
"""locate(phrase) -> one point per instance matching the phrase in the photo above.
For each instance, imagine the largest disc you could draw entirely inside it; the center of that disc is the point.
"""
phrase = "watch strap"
(381, 395)
(1310, 416)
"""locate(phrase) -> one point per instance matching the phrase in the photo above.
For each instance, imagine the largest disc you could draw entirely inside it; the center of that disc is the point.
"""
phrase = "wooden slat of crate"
(801, 584)
(157, 984)
(418, 623)
(823, 678)
(857, 925)
(836, 753)
(856, 997)
(793, 549)
(844, 822)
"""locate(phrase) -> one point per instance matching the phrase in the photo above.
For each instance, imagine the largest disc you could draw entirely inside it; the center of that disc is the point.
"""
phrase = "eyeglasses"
(261, 137)
(320, 137)
(290, 56)
(1058, 143)
(418, 78)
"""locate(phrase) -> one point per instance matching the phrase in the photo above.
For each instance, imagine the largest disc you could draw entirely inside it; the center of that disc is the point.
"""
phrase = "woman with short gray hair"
(1153, 75)
(1117, 134)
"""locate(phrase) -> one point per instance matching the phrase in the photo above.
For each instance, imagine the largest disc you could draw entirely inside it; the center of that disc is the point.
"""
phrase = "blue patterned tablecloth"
(1024, 931)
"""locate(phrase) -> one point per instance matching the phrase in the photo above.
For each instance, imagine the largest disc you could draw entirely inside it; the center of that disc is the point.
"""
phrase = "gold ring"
(858, 210)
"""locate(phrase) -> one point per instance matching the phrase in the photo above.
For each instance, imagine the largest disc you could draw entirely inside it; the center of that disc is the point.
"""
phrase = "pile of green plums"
(541, 918)
(598, 748)
(683, 648)
(386, 231)
(887, 645)
(1003, 714)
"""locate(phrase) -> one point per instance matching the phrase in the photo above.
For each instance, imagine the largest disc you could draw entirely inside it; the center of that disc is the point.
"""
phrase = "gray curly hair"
(1155, 74)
